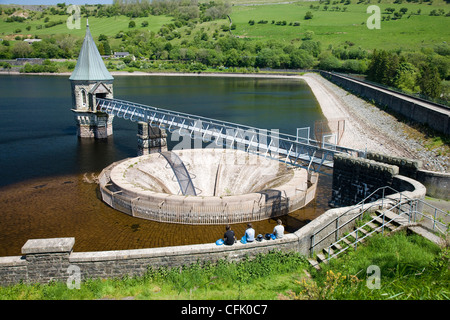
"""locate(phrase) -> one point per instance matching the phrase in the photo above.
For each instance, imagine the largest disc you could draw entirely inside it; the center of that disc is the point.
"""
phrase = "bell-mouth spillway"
(231, 186)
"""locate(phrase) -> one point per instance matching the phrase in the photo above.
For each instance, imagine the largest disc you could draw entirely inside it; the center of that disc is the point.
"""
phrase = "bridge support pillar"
(94, 125)
(151, 139)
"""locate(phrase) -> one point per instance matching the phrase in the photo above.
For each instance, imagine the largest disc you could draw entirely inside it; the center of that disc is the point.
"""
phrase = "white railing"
(309, 154)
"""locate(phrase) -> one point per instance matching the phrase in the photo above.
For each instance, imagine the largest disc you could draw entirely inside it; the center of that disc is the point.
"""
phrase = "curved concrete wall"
(437, 183)
(283, 190)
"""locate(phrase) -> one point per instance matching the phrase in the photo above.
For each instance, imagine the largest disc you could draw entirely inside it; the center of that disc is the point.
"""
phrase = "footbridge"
(293, 150)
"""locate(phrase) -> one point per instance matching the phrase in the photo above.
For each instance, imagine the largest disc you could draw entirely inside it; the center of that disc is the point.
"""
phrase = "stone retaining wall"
(407, 167)
(437, 183)
(44, 260)
(356, 178)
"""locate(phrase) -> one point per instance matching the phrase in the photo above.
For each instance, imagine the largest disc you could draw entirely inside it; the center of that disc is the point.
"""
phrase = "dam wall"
(436, 183)
(418, 110)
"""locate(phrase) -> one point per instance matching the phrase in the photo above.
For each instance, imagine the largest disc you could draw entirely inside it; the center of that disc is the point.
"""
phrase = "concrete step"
(400, 220)
(329, 252)
(346, 241)
(389, 215)
(373, 226)
(390, 226)
(337, 246)
(314, 263)
(426, 234)
(322, 258)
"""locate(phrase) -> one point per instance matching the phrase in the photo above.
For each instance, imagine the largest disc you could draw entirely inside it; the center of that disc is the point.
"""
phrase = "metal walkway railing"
(181, 173)
(290, 149)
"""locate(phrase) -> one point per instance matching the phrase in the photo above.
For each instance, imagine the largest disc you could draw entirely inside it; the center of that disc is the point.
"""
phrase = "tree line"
(411, 71)
(179, 9)
(182, 44)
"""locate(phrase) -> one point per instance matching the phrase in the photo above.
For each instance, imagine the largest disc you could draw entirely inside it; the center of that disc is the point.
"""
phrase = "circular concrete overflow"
(231, 186)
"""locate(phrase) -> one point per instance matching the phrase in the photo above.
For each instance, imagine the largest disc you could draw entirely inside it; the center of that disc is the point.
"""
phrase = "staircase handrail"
(362, 203)
(354, 244)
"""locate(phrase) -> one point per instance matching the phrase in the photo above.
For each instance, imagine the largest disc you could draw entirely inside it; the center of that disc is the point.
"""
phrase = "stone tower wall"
(90, 123)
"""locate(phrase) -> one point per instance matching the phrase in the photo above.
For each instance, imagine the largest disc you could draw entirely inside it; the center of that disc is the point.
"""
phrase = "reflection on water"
(44, 192)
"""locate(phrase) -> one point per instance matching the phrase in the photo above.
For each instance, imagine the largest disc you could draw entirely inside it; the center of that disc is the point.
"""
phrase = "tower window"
(83, 97)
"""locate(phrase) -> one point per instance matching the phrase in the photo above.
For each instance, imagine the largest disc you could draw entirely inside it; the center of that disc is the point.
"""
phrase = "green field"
(330, 35)
(338, 27)
(107, 26)
(330, 27)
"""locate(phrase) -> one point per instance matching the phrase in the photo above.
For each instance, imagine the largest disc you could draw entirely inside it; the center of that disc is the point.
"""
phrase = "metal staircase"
(383, 216)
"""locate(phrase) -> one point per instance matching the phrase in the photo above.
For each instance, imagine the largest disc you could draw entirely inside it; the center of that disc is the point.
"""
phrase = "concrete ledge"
(48, 245)
(189, 250)
(13, 261)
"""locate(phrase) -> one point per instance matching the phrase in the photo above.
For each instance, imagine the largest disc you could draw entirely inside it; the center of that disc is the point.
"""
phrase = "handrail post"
(434, 220)
(412, 208)
(312, 244)
(337, 229)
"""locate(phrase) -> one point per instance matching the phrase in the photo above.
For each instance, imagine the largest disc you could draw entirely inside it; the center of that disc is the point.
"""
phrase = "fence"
(395, 208)
(205, 210)
(280, 146)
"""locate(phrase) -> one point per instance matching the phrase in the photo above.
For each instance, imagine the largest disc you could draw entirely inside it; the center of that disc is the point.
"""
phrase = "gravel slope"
(369, 128)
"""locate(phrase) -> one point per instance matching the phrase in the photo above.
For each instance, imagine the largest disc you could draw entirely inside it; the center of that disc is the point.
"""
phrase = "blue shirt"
(250, 234)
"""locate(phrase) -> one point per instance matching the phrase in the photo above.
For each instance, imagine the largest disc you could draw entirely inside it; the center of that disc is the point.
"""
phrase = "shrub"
(53, 23)
(308, 15)
(308, 35)
(329, 62)
(28, 68)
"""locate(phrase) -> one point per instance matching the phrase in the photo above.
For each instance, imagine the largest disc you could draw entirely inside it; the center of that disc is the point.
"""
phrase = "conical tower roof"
(90, 65)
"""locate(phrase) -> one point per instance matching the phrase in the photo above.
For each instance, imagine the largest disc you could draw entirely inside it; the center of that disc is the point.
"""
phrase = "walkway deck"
(296, 151)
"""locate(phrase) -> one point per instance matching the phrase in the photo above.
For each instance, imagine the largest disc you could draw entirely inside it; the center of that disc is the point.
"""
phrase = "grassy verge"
(411, 268)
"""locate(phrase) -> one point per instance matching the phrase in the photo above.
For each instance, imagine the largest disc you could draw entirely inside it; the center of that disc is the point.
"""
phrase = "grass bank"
(410, 267)
(338, 24)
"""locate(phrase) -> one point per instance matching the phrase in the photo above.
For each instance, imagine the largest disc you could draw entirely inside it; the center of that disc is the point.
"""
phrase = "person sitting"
(229, 237)
(250, 233)
(278, 231)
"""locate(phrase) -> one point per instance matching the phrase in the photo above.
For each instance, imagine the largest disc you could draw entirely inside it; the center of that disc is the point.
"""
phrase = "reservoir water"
(46, 187)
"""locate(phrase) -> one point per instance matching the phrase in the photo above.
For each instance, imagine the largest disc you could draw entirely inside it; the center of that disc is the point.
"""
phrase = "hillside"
(334, 23)
(411, 41)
